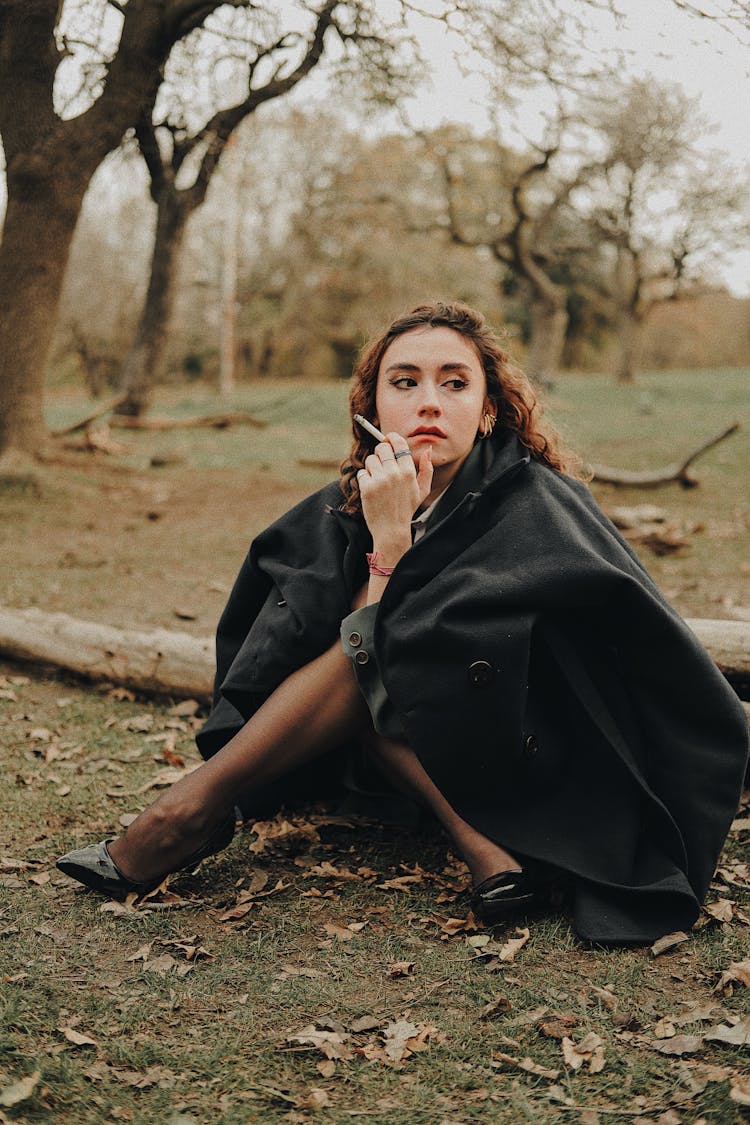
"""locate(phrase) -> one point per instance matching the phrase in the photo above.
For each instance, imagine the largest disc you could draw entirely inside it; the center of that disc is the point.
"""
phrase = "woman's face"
(431, 389)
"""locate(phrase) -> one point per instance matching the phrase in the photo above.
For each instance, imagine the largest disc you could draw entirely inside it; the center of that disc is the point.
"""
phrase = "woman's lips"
(427, 431)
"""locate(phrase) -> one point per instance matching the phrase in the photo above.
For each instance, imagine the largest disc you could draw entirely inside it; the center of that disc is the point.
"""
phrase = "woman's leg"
(317, 708)
(402, 767)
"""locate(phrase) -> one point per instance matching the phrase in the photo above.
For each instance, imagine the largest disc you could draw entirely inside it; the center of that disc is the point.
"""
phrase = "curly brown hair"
(508, 389)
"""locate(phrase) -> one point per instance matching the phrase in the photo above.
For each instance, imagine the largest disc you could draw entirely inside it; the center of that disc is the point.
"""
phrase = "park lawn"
(321, 969)
(338, 932)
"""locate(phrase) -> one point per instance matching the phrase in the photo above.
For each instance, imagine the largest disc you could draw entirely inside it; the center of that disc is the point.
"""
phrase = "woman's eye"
(403, 381)
(457, 384)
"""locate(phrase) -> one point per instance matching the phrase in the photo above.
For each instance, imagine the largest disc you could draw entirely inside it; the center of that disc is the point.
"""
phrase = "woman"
(503, 656)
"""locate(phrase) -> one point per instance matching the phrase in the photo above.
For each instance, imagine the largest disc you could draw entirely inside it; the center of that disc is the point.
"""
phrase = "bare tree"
(50, 160)
(665, 210)
(52, 150)
(520, 226)
(181, 159)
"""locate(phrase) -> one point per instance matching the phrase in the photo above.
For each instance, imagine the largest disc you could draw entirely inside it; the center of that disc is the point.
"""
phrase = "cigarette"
(369, 427)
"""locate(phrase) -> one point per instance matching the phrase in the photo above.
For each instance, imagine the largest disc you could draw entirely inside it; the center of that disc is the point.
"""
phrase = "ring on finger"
(402, 453)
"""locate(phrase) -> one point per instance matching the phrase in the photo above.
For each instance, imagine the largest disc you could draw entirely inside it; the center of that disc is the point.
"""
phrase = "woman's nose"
(429, 404)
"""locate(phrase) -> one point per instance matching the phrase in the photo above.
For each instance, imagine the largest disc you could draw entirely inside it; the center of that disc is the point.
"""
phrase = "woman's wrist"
(390, 552)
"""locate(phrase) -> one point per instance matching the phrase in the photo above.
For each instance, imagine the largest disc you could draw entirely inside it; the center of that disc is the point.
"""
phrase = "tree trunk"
(143, 361)
(43, 208)
(630, 335)
(549, 323)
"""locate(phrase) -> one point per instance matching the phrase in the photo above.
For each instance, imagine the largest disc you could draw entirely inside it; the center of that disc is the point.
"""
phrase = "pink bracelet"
(375, 568)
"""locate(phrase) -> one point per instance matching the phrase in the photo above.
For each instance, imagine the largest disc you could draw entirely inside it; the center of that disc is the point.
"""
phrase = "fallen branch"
(173, 663)
(652, 478)
(84, 422)
(211, 421)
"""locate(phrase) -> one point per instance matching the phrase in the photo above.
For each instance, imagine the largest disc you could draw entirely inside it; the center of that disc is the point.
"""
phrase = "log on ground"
(162, 661)
(168, 662)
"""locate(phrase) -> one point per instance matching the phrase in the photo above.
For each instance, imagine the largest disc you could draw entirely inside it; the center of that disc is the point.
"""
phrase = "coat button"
(531, 746)
(355, 639)
(361, 657)
(480, 673)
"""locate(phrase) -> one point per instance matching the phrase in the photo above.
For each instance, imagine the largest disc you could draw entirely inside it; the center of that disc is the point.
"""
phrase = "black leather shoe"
(94, 867)
(502, 896)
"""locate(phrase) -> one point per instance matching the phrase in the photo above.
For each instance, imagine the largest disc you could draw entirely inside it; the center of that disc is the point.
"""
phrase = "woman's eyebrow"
(450, 366)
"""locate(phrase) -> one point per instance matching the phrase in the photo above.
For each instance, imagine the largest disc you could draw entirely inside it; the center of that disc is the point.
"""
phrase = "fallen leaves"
(667, 942)
(589, 1052)
(526, 1064)
(737, 1035)
(739, 1089)
(189, 947)
(680, 1045)
(77, 1038)
(398, 969)
(397, 1040)
(498, 954)
(737, 973)
(20, 1091)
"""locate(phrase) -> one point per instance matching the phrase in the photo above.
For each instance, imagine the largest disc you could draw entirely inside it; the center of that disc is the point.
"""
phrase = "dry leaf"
(738, 1034)
(737, 973)
(452, 926)
(315, 1099)
(590, 1050)
(39, 734)
(76, 1038)
(160, 965)
(186, 709)
(166, 777)
(739, 1089)
(396, 1037)
(330, 1043)
(664, 1028)
(141, 954)
(401, 968)
(668, 941)
(402, 1039)
(326, 1068)
(496, 1007)
(341, 933)
(19, 1091)
(400, 883)
(697, 1011)
(558, 1027)
(171, 757)
(138, 723)
(608, 999)
(680, 1045)
(722, 910)
(526, 1064)
(510, 948)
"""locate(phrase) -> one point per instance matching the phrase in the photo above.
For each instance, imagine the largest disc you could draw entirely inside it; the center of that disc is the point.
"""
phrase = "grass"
(207, 1037)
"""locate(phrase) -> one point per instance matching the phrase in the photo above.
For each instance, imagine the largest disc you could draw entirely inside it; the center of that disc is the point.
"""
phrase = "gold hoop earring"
(487, 424)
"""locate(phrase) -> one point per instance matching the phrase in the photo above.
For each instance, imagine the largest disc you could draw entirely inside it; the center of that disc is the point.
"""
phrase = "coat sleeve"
(284, 609)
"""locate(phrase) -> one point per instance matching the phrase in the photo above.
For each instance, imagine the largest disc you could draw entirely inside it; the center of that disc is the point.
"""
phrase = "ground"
(324, 968)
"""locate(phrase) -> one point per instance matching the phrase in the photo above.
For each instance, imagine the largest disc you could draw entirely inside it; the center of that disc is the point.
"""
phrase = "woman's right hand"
(391, 488)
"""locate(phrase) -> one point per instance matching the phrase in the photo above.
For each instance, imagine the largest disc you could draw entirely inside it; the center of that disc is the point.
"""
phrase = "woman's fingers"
(424, 474)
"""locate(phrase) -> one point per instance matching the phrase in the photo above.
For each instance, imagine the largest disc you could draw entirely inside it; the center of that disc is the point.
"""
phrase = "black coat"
(553, 695)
